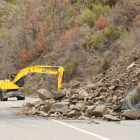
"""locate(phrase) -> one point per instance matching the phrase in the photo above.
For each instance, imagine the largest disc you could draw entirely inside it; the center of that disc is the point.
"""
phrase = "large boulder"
(99, 111)
(132, 114)
(44, 94)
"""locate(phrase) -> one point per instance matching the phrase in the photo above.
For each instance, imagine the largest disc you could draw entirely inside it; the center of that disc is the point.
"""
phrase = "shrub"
(51, 58)
(91, 42)
(99, 39)
(105, 64)
(87, 17)
(72, 23)
(124, 33)
(91, 31)
(98, 70)
(84, 45)
(125, 13)
(102, 23)
(101, 10)
(82, 35)
(111, 32)
(71, 69)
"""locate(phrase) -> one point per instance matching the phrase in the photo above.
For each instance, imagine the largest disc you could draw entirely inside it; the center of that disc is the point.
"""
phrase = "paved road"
(22, 127)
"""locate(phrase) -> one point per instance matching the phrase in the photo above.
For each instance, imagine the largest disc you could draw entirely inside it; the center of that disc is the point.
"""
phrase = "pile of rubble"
(102, 98)
(99, 100)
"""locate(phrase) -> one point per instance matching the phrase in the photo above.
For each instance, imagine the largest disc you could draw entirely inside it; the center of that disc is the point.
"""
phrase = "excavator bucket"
(60, 77)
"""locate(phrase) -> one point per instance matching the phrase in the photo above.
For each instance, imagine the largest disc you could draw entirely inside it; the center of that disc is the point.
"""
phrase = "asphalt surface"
(23, 127)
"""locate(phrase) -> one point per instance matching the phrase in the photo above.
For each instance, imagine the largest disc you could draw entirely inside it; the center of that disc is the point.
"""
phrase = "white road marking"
(11, 104)
(95, 135)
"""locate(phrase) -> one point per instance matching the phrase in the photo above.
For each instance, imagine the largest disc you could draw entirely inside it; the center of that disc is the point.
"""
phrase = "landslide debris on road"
(81, 103)
(108, 96)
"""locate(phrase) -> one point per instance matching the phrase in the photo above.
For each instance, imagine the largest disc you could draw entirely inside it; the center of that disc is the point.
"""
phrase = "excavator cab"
(19, 83)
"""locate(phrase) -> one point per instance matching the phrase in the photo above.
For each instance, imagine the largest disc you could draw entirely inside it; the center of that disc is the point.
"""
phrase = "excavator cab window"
(11, 76)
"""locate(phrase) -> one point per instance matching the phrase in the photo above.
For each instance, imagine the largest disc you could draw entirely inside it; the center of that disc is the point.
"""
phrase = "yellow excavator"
(13, 85)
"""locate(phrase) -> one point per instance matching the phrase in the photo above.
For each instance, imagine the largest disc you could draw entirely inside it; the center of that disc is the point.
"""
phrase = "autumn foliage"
(69, 35)
(40, 22)
(102, 23)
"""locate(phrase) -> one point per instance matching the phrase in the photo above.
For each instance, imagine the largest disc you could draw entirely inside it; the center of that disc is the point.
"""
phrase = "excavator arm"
(41, 69)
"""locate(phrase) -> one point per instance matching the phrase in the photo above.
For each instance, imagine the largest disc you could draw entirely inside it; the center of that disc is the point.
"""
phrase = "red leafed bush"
(24, 57)
(102, 23)
(70, 34)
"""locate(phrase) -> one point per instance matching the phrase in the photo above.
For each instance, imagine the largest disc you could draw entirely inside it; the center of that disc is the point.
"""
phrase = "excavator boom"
(41, 69)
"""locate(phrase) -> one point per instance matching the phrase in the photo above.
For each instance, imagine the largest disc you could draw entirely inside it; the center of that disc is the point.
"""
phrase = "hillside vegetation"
(84, 36)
